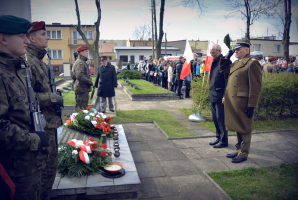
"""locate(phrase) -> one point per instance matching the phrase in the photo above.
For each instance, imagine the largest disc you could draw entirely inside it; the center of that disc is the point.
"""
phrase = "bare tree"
(154, 24)
(161, 33)
(142, 32)
(94, 51)
(287, 23)
(251, 10)
(200, 5)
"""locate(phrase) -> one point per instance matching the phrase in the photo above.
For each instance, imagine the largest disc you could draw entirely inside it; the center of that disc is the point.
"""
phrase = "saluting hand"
(223, 101)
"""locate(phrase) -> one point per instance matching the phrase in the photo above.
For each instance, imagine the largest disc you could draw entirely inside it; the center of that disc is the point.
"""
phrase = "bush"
(279, 96)
(130, 74)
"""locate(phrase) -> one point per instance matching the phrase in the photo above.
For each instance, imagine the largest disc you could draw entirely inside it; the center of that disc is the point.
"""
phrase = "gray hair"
(217, 47)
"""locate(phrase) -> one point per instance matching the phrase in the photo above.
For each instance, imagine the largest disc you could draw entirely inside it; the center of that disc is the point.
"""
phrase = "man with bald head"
(217, 88)
(241, 97)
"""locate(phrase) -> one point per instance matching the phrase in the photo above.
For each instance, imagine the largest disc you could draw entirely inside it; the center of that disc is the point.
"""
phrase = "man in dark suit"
(128, 65)
(217, 87)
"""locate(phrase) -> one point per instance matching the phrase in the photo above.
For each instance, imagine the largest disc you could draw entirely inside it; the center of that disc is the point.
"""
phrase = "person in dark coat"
(108, 81)
(128, 65)
(217, 88)
(179, 67)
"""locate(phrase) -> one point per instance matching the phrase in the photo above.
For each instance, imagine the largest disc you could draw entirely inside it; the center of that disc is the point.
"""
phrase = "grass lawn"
(145, 87)
(56, 79)
(70, 97)
(266, 125)
(165, 121)
(260, 183)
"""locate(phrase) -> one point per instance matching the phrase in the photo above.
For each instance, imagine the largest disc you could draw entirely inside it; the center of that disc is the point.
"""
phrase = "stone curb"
(160, 129)
(217, 186)
(60, 81)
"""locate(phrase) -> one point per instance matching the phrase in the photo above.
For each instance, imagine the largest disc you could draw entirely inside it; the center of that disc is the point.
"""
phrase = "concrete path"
(173, 169)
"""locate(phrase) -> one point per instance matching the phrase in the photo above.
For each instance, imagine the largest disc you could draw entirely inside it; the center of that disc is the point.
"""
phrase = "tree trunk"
(286, 35)
(94, 52)
(248, 23)
(158, 44)
(154, 20)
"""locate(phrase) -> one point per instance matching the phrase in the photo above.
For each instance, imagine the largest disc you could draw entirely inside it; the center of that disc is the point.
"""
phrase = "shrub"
(130, 74)
(199, 91)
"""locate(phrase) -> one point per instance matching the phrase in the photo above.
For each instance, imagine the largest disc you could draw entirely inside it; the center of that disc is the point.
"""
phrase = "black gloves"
(60, 100)
(44, 138)
(249, 111)
(229, 54)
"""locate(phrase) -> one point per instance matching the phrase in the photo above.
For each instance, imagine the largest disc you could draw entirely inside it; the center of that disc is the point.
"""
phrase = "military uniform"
(82, 84)
(270, 68)
(42, 89)
(243, 90)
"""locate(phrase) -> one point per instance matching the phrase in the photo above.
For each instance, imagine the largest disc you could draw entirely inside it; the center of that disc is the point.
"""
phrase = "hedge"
(130, 74)
(279, 96)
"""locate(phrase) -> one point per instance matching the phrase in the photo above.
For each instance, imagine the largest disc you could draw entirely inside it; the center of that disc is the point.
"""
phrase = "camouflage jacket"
(19, 149)
(81, 73)
(41, 86)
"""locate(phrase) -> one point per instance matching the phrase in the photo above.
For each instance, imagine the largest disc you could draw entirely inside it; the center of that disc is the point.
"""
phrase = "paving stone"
(128, 179)
(187, 143)
(97, 180)
(281, 145)
(56, 183)
(169, 154)
(160, 144)
(265, 159)
(202, 191)
(289, 156)
(138, 146)
(200, 132)
(207, 152)
(67, 183)
(257, 138)
(157, 187)
(178, 167)
(144, 156)
(134, 138)
(190, 153)
(100, 190)
(188, 179)
(257, 147)
(248, 163)
(167, 198)
(209, 165)
(150, 169)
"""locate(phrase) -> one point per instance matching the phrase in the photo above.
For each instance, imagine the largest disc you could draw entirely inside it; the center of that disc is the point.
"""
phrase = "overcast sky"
(120, 17)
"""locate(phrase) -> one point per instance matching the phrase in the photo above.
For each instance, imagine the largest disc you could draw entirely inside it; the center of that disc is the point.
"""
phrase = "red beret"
(82, 48)
(38, 26)
(272, 58)
(255, 57)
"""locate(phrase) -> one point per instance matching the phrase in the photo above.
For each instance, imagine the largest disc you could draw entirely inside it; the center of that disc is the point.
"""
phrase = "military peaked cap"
(10, 24)
(242, 43)
(103, 58)
(38, 26)
(82, 48)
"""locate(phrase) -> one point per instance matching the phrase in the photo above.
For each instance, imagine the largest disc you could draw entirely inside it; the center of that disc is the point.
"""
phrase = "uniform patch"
(23, 66)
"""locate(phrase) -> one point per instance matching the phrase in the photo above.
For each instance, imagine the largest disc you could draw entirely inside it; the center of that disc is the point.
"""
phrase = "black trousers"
(180, 82)
(218, 116)
(187, 90)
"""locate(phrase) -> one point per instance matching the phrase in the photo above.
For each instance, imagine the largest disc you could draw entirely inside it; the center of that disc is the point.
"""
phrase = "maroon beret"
(38, 26)
(255, 57)
(272, 58)
(82, 48)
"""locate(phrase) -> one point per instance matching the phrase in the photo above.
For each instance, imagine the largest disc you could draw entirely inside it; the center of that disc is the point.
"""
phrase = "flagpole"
(202, 88)
(205, 89)
(193, 99)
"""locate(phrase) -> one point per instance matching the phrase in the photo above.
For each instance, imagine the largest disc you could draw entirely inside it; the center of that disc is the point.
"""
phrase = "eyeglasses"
(212, 52)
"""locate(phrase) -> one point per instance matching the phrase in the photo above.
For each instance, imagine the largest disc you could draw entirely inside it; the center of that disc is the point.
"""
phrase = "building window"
(124, 58)
(145, 43)
(54, 34)
(56, 54)
(141, 57)
(257, 47)
(88, 34)
(276, 48)
(100, 46)
(133, 44)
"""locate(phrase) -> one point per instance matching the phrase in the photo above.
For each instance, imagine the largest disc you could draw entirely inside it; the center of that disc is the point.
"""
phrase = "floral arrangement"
(77, 158)
(90, 121)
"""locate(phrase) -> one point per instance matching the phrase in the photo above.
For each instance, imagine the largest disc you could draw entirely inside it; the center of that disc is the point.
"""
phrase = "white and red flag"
(188, 55)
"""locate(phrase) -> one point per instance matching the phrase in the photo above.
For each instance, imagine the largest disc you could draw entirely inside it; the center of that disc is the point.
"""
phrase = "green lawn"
(56, 79)
(266, 183)
(165, 121)
(266, 125)
(69, 98)
(145, 87)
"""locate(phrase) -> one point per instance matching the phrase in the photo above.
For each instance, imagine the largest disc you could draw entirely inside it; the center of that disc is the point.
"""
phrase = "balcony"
(72, 42)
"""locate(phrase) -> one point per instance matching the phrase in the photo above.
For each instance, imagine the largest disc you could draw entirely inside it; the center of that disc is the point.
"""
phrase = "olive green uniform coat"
(270, 68)
(243, 90)
(42, 88)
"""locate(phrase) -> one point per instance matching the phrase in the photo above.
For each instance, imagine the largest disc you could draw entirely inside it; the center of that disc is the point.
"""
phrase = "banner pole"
(206, 88)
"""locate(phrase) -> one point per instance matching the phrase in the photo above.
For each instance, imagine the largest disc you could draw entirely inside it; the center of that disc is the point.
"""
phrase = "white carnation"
(74, 152)
(65, 124)
(94, 123)
(87, 117)
(85, 111)
(92, 114)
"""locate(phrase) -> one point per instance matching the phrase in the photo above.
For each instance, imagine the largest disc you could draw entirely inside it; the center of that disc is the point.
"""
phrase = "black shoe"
(181, 97)
(112, 110)
(231, 155)
(220, 145)
(103, 111)
(187, 97)
(215, 142)
(237, 159)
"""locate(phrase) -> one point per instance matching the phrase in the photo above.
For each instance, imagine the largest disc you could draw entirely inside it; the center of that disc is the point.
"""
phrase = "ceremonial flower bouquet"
(90, 121)
(77, 158)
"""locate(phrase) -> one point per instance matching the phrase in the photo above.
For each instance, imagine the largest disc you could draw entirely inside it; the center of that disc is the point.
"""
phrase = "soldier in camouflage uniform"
(271, 66)
(42, 88)
(81, 75)
(20, 148)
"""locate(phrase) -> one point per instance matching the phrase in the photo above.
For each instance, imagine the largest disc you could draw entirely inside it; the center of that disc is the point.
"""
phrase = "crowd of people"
(279, 65)
(166, 73)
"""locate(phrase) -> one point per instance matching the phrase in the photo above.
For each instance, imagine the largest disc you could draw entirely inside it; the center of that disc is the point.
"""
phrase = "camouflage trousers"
(27, 187)
(49, 173)
(82, 100)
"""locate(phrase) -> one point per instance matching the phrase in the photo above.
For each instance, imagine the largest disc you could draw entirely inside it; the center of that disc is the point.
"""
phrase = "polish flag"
(188, 55)
(84, 157)
(209, 58)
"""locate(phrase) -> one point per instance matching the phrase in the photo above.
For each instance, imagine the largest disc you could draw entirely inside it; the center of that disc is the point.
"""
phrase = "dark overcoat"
(243, 90)
(108, 80)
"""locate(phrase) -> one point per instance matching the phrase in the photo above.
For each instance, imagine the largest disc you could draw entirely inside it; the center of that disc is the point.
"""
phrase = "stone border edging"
(60, 81)
(217, 186)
